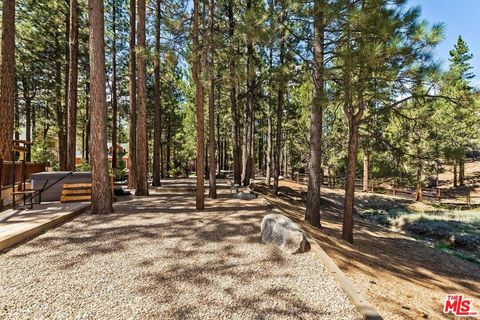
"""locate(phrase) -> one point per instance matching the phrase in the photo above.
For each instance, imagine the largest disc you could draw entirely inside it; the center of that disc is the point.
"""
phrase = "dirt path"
(158, 258)
(401, 277)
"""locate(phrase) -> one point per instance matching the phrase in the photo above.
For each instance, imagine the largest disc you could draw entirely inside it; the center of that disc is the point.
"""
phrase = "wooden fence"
(9, 175)
(461, 196)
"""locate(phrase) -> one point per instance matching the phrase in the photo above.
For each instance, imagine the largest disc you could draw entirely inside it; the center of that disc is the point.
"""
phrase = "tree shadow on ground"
(183, 258)
(379, 253)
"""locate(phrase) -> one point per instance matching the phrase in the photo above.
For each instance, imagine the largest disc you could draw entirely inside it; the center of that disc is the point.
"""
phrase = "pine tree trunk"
(268, 177)
(236, 138)
(132, 147)
(219, 139)
(455, 174)
(461, 171)
(168, 151)
(280, 102)
(312, 213)
(34, 125)
(199, 100)
(418, 190)
(211, 102)
(142, 183)
(7, 79)
(72, 87)
(260, 153)
(60, 117)
(157, 127)
(114, 88)
(347, 230)
(366, 161)
(101, 193)
(88, 116)
(247, 152)
(28, 126)
(28, 97)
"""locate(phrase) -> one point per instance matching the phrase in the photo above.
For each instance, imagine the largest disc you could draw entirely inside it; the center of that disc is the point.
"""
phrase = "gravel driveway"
(157, 258)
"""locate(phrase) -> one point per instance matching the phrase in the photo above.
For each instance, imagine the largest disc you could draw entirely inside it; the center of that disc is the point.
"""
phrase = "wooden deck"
(17, 226)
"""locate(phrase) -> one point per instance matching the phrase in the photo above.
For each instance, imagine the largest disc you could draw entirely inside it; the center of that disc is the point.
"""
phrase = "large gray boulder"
(244, 196)
(284, 233)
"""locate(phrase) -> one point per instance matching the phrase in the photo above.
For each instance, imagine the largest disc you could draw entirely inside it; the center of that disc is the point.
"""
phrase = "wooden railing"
(443, 195)
(8, 175)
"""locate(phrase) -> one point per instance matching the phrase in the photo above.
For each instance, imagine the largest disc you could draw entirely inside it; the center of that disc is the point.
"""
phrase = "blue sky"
(461, 17)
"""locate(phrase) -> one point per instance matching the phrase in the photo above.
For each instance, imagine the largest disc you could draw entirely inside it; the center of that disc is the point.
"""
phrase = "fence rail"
(9, 175)
(462, 196)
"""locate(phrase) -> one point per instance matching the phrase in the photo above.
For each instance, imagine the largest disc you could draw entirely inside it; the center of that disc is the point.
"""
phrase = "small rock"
(284, 233)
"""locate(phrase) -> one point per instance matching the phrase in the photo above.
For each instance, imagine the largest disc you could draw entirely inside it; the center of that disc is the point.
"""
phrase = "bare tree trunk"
(219, 139)
(72, 87)
(268, 177)
(60, 117)
(101, 193)
(7, 79)
(461, 171)
(312, 213)
(132, 147)
(28, 126)
(157, 127)
(260, 152)
(366, 164)
(347, 230)
(247, 157)
(142, 149)
(236, 138)
(28, 96)
(200, 197)
(455, 174)
(211, 102)
(280, 102)
(88, 123)
(418, 191)
(114, 89)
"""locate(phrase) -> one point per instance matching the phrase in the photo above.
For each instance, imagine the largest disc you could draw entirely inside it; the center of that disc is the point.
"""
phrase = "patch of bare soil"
(401, 277)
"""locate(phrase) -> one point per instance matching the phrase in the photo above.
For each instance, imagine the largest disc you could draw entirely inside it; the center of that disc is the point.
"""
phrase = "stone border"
(27, 235)
(356, 297)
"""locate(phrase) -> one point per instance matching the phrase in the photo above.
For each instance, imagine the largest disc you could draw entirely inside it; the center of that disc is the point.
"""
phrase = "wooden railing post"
(1, 173)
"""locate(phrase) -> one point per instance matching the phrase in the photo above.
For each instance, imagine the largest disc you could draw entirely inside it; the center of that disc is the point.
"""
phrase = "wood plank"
(76, 185)
(75, 198)
(19, 149)
(24, 192)
(76, 191)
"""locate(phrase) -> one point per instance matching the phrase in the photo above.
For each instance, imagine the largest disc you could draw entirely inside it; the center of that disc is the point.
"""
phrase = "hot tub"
(54, 182)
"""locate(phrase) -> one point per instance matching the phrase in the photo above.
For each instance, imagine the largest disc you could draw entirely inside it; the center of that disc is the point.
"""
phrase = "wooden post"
(469, 199)
(1, 179)
(1, 173)
(439, 196)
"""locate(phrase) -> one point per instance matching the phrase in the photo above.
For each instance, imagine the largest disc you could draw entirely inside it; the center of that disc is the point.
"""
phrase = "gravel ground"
(157, 258)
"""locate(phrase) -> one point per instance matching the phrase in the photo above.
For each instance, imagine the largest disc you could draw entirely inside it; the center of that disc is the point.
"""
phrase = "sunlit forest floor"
(403, 277)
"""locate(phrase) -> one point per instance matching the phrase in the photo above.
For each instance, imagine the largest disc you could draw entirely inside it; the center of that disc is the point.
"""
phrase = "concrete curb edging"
(27, 235)
(354, 294)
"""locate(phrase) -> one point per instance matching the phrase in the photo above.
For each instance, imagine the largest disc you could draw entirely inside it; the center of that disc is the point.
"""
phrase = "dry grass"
(402, 277)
